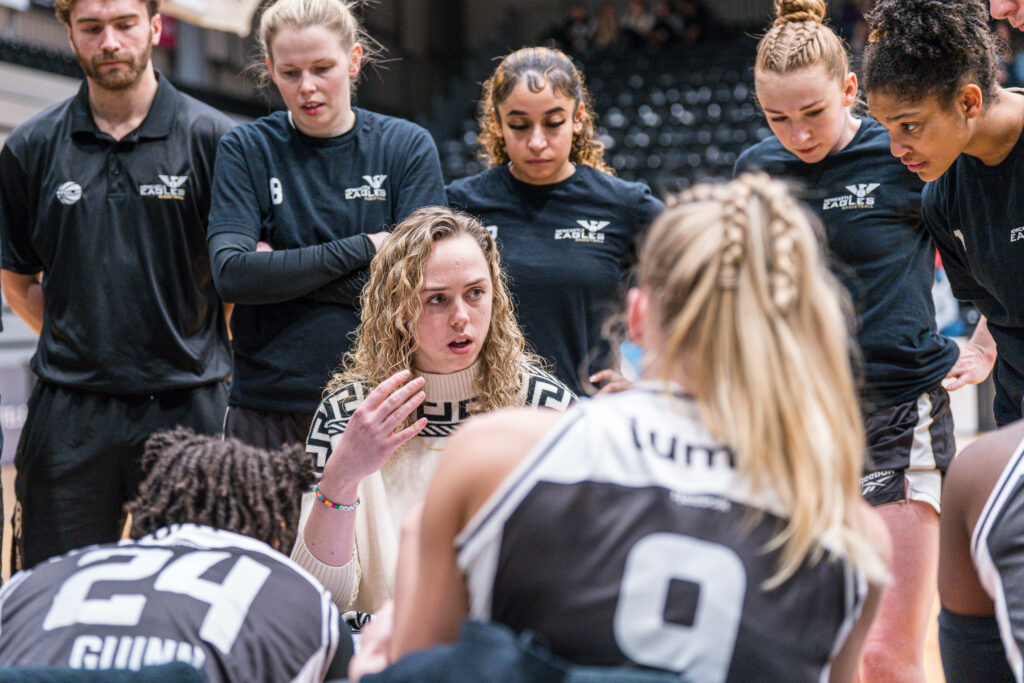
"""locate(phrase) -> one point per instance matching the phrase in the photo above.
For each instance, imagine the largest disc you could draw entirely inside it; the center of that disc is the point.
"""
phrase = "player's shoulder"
(604, 184)
(541, 389)
(393, 128)
(342, 400)
(197, 116)
(464, 192)
(767, 155)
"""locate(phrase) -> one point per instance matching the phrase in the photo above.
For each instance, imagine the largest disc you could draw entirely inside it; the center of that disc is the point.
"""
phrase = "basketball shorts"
(910, 446)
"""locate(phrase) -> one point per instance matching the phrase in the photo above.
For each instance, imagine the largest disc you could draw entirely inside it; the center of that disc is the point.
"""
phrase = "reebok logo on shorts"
(170, 187)
(589, 231)
(371, 191)
(859, 198)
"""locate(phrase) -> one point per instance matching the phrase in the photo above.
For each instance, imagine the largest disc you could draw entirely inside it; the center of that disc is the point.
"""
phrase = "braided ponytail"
(755, 323)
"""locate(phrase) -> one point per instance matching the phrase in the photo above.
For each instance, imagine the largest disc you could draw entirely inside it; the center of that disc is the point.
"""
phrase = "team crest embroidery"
(859, 198)
(169, 187)
(588, 231)
(69, 193)
(373, 190)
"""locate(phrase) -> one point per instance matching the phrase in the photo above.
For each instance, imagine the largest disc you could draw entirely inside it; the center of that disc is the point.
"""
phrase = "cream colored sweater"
(367, 581)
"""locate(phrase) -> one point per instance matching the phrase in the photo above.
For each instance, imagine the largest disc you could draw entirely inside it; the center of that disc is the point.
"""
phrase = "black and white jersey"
(627, 538)
(996, 549)
(225, 603)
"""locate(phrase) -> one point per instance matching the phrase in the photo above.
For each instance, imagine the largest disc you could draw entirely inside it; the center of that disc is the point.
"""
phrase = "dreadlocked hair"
(798, 39)
(539, 67)
(222, 483)
(921, 48)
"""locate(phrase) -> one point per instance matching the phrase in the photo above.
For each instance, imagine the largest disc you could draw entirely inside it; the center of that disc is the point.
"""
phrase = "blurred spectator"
(696, 20)
(1011, 63)
(638, 23)
(852, 26)
(668, 25)
(574, 34)
(607, 32)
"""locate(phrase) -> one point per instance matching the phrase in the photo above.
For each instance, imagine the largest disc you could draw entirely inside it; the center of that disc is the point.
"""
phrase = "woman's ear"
(850, 89)
(577, 120)
(971, 101)
(637, 304)
(355, 60)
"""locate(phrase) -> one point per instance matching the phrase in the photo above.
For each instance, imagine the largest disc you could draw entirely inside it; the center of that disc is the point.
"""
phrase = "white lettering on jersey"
(69, 193)
(857, 199)
(1017, 234)
(229, 600)
(170, 187)
(93, 652)
(493, 230)
(373, 190)
(589, 231)
(276, 192)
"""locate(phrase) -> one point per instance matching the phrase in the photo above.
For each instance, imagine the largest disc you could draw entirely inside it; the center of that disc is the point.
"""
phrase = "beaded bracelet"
(331, 504)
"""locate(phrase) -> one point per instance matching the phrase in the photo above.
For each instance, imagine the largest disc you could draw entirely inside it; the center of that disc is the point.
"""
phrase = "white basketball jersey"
(628, 538)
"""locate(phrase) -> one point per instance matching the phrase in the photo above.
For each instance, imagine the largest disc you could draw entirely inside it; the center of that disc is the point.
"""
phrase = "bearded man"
(103, 210)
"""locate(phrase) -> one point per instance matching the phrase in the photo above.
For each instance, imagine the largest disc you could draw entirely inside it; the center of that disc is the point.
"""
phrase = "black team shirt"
(118, 228)
(314, 200)
(870, 207)
(976, 215)
(567, 249)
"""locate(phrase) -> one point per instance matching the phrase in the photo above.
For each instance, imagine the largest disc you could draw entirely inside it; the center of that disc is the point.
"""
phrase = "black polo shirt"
(118, 229)
(870, 207)
(976, 215)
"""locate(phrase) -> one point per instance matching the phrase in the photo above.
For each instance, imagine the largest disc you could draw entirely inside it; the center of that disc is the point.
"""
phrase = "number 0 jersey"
(225, 603)
(626, 538)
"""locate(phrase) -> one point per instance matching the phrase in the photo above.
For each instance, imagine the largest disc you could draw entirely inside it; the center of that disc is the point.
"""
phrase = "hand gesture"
(370, 438)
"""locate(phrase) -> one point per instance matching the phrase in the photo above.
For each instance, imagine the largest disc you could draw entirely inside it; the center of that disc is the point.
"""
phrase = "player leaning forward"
(203, 582)
(103, 202)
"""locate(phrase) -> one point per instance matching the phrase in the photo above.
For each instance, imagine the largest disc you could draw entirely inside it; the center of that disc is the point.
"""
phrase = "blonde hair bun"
(799, 10)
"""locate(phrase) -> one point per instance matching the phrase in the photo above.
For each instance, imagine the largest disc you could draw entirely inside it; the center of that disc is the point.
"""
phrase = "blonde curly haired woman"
(438, 342)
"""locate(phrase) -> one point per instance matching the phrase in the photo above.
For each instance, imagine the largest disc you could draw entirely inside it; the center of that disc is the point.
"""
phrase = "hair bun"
(799, 10)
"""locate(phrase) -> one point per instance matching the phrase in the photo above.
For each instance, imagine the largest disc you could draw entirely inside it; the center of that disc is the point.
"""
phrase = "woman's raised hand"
(370, 437)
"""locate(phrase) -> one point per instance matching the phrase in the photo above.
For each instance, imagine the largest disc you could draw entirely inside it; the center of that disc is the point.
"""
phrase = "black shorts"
(267, 429)
(910, 446)
(79, 461)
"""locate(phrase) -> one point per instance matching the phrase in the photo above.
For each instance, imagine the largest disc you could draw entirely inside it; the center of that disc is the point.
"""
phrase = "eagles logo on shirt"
(170, 187)
(859, 198)
(371, 191)
(589, 231)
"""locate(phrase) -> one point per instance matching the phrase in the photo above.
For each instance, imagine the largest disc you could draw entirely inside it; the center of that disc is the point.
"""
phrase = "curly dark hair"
(222, 483)
(538, 67)
(921, 48)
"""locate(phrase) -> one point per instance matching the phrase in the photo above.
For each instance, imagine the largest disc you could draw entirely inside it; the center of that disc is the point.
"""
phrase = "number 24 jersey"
(225, 603)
